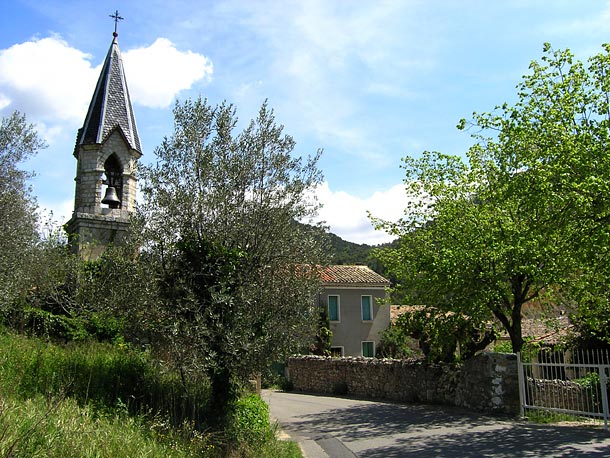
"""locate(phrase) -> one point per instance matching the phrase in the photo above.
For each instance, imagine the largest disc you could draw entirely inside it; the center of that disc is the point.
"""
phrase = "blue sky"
(368, 81)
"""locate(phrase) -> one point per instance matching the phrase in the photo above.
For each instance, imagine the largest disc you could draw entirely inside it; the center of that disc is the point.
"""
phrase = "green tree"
(236, 273)
(18, 222)
(527, 214)
(324, 336)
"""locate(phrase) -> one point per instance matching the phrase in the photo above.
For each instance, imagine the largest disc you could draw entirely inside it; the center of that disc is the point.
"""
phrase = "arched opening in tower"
(113, 182)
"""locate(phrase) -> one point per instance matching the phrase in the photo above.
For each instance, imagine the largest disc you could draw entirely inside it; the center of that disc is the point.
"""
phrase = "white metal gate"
(566, 382)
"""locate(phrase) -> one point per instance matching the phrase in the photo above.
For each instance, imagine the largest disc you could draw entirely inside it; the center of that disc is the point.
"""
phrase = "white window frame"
(338, 320)
(338, 347)
(362, 348)
(370, 307)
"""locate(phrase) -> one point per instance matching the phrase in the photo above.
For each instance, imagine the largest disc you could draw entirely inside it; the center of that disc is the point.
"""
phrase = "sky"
(367, 81)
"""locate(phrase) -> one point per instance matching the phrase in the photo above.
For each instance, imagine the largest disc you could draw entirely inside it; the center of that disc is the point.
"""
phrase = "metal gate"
(569, 382)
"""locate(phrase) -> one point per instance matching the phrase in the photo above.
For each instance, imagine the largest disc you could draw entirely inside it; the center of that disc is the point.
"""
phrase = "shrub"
(250, 422)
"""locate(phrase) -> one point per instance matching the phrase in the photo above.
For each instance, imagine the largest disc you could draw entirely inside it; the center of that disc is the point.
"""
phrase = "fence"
(568, 382)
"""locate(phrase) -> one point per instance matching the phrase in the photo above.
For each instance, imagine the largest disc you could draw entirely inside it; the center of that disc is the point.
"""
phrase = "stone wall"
(486, 383)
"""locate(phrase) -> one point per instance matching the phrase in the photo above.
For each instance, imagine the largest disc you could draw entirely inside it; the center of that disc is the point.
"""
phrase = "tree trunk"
(222, 399)
(515, 331)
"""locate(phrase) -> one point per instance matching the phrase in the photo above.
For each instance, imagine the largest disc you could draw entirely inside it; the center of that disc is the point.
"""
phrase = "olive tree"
(18, 222)
(237, 274)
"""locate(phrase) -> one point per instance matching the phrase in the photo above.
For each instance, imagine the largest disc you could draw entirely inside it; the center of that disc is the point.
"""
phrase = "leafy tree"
(235, 273)
(526, 216)
(18, 223)
(398, 344)
(442, 336)
(324, 336)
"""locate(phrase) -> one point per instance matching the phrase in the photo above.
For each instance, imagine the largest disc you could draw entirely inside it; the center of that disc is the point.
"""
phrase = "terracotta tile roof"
(353, 275)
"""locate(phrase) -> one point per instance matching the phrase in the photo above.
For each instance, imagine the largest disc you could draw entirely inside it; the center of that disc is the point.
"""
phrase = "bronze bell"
(111, 198)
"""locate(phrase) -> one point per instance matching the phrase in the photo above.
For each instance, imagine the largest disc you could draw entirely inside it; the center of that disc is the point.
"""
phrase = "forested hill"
(345, 252)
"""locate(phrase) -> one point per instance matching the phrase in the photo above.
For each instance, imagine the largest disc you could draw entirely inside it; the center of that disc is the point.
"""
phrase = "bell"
(111, 199)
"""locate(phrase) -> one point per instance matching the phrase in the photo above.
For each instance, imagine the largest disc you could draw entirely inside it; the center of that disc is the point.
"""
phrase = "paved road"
(346, 428)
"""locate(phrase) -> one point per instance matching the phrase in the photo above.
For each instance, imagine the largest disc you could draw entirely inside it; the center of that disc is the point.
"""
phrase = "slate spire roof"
(110, 106)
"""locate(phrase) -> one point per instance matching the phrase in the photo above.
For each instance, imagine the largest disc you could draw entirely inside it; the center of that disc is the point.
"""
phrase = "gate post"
(603, 378)
(521, 379)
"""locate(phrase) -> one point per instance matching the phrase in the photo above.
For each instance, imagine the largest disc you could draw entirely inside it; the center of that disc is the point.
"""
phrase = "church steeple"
(107, 150)
(110, 106)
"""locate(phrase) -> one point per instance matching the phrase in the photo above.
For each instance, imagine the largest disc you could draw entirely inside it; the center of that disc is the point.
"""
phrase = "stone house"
(354, 296)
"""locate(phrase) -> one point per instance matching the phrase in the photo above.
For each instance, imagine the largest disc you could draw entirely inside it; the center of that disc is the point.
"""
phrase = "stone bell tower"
(107, 151)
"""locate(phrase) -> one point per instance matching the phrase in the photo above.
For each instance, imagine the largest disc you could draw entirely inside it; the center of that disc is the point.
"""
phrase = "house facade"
(354, 297)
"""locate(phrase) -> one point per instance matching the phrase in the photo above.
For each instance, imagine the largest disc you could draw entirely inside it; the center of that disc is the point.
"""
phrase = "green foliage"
(527, 215)
(398, 344)
(442, 336)
(55, 396)
(219, 235)
(100, 374)
(324, 336)
(59, 427)
(250, 423)
(18, 220)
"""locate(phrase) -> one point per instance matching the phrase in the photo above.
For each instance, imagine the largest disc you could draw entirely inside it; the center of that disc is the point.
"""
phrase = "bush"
(250, 422)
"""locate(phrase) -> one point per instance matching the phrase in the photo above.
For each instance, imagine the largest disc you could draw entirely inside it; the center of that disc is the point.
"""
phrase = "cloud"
(157, 73)
(52, 82)
(47, 79)
(347, 215)
(323, 56)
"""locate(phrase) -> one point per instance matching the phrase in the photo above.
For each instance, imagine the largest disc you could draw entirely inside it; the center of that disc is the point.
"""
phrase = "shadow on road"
(438, 431)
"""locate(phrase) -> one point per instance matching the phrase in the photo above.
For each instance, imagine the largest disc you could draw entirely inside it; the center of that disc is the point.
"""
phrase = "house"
(355, 300)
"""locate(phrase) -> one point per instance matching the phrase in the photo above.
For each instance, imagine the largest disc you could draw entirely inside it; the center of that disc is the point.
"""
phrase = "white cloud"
(347, 215)
(47, 79)
(52, 82)
(159, 72)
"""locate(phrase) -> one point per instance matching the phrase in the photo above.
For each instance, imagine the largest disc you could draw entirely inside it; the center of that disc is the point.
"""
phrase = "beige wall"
(351, 331)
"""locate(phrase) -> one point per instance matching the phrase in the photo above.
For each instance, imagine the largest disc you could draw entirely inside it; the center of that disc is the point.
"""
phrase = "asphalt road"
(339, 427)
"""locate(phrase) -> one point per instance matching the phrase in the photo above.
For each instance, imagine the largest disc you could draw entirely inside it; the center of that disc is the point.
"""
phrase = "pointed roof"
(110, 106)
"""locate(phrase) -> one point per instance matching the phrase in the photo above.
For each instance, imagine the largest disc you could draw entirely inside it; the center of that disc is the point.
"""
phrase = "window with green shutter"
(333, 308)
(368, 349)
(367, 308)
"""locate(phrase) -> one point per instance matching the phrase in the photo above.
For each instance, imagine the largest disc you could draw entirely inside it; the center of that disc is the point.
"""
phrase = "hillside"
(344, 252)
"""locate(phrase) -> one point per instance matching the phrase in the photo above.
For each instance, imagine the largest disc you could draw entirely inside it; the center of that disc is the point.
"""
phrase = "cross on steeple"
(116, 18)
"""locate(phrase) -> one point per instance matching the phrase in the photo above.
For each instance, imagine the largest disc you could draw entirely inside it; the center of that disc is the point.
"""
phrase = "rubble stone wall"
(486, 383)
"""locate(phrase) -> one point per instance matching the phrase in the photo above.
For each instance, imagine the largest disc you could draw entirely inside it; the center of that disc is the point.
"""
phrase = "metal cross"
(116, 18)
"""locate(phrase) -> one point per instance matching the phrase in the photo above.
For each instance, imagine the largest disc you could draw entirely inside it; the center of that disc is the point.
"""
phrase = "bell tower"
(107, 151)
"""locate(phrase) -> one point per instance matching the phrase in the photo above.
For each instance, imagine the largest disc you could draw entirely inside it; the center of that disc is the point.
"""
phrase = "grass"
(60, 428)
(103, 400)
(550, 417)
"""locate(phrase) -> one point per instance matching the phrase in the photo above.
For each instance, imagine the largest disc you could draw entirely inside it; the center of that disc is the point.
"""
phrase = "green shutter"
(368, 349)
(333, 308)
(366, 308)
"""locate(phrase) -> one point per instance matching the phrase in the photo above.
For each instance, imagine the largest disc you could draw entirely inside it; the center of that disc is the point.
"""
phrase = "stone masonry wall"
(486, 383)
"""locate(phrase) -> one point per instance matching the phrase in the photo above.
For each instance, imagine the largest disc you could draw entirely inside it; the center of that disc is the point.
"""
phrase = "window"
(336, 352)
(367, 308)
(334, 313)
(368, 349)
